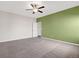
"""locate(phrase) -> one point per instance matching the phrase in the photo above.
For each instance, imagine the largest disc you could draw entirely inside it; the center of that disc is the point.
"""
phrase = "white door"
(34, 29)
(39, 27)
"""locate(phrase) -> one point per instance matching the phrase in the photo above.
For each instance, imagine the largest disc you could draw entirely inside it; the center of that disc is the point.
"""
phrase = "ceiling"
(18, 7)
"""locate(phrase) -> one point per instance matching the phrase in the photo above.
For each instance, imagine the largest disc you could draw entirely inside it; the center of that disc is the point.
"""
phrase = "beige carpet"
(37, 48)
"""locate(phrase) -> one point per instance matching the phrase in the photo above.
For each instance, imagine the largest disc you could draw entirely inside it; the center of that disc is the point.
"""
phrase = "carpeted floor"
(37, 48)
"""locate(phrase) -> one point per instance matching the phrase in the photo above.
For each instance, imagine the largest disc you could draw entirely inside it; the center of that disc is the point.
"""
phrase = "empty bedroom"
(39, 29)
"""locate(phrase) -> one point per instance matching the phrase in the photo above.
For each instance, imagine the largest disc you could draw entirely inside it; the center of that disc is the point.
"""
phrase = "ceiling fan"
(35, 8)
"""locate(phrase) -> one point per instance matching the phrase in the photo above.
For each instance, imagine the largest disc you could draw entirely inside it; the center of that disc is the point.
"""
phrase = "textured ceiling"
(18, 7)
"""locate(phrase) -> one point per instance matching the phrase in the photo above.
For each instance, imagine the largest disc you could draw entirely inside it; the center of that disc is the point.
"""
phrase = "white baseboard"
(17, 39)
(62, 41)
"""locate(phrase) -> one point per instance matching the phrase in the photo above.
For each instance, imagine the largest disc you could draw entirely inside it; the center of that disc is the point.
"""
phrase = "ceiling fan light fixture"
(35, 10)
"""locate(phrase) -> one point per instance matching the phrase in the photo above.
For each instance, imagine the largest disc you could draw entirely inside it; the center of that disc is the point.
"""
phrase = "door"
(39, 27)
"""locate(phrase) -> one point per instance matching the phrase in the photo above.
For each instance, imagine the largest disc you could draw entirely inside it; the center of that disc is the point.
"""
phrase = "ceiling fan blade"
(35, 6)
(32, 5)
(33, 12)
(28, 9)
(40, 11)
(41, 7)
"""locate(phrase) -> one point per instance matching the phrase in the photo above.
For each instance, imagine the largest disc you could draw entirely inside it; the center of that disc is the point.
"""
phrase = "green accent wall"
(63, 25)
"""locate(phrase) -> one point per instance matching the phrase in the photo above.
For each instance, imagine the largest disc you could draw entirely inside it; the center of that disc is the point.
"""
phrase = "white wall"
(14, 26)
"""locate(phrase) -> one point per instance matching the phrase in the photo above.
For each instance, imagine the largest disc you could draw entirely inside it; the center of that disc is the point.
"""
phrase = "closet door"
(34, 29)
(39, 27)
